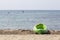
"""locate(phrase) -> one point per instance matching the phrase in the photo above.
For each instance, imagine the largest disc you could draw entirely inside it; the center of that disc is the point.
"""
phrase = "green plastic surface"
(40, 28)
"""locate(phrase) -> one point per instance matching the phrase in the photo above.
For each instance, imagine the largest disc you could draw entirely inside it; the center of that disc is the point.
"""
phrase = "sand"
(28, 35)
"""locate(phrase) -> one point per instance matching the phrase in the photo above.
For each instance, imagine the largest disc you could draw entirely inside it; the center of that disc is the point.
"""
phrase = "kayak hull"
(40, 29)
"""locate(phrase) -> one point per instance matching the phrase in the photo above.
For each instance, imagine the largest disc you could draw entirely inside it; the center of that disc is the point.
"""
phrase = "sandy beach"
(28, 35)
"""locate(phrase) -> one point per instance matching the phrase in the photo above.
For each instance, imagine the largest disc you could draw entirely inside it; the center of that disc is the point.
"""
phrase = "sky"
(29, 4)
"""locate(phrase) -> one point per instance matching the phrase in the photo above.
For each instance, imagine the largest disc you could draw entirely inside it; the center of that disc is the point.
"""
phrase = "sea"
(27, 19)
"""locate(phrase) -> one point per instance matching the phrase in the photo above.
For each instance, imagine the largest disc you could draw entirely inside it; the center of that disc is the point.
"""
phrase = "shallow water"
(18, 19)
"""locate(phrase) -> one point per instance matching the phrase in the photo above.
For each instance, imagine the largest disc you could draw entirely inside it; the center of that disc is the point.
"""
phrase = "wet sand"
(23, 32)
(28, 35)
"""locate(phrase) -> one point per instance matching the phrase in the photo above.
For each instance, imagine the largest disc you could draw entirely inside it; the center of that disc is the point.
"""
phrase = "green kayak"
(40, 28)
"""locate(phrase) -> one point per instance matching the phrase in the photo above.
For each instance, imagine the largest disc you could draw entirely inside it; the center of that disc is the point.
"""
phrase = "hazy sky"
(29, 4)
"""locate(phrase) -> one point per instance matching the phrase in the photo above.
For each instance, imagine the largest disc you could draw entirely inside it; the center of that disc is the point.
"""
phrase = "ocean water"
(26, 19)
